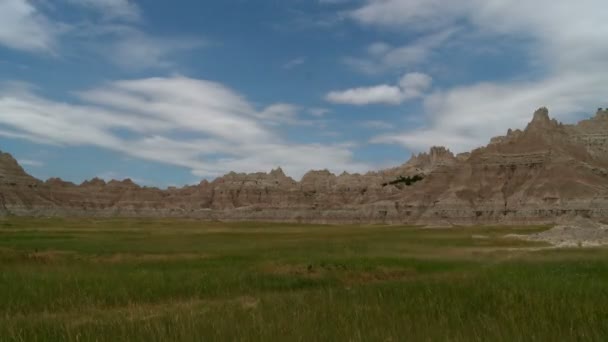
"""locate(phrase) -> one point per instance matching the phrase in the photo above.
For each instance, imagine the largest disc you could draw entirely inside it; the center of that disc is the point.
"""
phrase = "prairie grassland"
(183, 280)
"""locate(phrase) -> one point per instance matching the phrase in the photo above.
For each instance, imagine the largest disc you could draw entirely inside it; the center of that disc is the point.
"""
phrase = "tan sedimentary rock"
(537, 175)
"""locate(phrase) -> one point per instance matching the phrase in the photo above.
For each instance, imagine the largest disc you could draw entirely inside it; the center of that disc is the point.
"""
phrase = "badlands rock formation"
(539, 175)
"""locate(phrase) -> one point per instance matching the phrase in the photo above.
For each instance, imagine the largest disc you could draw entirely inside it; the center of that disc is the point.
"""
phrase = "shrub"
(405, 180)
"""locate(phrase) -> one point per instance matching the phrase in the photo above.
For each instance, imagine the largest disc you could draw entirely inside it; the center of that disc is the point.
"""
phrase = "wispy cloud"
(197, 124)
(465, 117)
(318, 112)
(133, 49)
(566, 42)
(381, 57)
(333, 2)
(30, 162)
(377, 124)
(114, 33)
(279, 113)
(24, 27)
(111, 9)
(417, 14)
(294, 63)
(410, 86)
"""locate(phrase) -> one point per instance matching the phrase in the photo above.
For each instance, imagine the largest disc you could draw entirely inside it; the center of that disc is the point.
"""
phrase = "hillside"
(548, 170)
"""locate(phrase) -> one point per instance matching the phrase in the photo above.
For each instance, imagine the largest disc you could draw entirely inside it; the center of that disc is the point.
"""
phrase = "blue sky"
(169, 93)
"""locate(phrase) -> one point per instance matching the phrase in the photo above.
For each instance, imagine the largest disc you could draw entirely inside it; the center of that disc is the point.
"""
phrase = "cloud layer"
(115, 33)
(566, 47)
(382, 57)
(112, 9)
(197, 124)
(23, 27)
(210, 129)
(410, 86)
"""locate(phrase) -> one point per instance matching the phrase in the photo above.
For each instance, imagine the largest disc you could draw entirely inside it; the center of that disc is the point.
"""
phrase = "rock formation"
(539, 175)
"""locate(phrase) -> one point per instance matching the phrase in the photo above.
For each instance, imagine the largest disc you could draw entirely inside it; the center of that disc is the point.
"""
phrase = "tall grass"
(146, 280)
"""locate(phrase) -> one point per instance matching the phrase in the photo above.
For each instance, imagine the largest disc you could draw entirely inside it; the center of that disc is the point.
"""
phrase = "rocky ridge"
(537, 175)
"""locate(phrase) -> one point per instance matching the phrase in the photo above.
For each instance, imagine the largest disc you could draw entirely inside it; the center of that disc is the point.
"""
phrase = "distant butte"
(539, 175)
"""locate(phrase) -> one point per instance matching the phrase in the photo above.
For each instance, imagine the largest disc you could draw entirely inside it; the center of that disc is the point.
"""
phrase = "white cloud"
(410, 86)
(282, 114)
(30, 162)
(134, 49)
(367, 95)
(379, 48)
(197, 124)
(563, 31)
(319, 112)
(421, 14)
(279, 113)
(130, 48)
(112, 35)
(333, 2)
(377, 124)
(383, 57)
(465, 117)
(413, 85)
(294, 63)
(112, 9)
(564, 43)
(23, 27)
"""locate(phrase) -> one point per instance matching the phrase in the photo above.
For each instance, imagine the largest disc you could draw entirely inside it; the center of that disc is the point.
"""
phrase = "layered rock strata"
(541, 174)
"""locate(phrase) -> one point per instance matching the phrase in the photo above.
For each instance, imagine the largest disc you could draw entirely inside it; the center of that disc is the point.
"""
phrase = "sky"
(169, 93)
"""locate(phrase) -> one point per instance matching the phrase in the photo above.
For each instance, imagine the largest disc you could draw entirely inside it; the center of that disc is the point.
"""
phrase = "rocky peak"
(234, 177)
(7, 162)
(602, 114)
(436, 157)
(514, 133)
(511, 135)
(317, 180)
(541, 120)
(126, 183)
(277, 173)
(95, 182)
(541, 115)
(279, 177)
(462, 157)
(275, 178)
(437, 152)
(58, 182)
(12, 173)
(317, 174)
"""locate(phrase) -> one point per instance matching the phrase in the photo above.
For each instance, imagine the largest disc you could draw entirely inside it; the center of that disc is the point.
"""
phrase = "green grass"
(167, 280)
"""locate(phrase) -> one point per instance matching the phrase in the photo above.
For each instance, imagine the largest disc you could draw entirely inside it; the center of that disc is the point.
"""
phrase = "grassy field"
(168, 280)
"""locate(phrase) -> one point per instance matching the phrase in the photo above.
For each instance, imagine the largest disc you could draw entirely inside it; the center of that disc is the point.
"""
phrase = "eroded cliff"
(547, 171)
